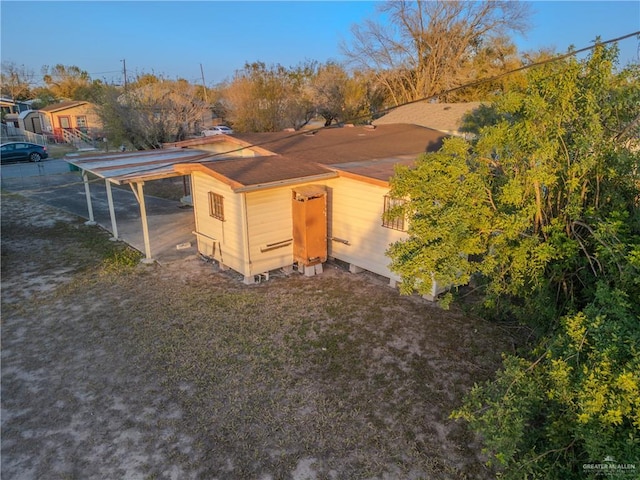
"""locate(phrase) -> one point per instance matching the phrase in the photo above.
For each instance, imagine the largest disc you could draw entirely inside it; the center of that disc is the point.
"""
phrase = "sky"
(213, 39)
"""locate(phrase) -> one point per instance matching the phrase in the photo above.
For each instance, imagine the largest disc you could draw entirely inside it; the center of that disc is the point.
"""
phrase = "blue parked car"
(21, 152)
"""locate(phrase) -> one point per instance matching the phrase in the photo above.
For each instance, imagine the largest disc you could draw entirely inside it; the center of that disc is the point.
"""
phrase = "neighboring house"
(10, 110)
(72, 121)
(8, 106)
(280, 200)
(20, 122)
(444, 117)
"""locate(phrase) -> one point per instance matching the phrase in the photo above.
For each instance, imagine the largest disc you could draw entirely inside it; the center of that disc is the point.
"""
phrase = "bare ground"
(181, 372)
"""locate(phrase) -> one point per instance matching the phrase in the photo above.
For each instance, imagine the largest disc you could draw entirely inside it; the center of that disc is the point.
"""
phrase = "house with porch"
(71, 122)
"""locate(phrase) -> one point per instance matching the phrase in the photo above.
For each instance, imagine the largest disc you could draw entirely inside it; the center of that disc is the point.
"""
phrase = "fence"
(9, 133)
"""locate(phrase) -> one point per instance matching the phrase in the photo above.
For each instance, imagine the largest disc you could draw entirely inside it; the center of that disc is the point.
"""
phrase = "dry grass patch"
(336, 369)
(183, 372)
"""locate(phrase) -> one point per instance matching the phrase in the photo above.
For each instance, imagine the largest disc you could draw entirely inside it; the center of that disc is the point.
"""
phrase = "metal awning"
(133, 168)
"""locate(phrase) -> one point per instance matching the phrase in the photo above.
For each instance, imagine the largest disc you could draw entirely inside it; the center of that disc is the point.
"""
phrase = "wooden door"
(309, 210)
(65, 122)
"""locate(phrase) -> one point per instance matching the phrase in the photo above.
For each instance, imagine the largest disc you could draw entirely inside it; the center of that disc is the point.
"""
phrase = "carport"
(134, 169)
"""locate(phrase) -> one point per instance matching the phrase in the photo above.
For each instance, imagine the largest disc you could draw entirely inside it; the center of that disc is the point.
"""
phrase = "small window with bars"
(395, 222)
(216, 206)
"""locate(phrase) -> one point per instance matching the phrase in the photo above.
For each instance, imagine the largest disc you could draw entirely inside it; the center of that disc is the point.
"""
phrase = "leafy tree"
(541, 178)
(340, 97)
(327, 89)
(543, 209)
(217, 101)
(300, 109)
(16, 81)
(268, 99)
(43, 97)
(152, 112)
(146, 79)
(489, 58)
(71, 83)
(425, 47)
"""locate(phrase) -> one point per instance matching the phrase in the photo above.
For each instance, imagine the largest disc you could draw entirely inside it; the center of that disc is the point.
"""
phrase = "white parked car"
(219, 130)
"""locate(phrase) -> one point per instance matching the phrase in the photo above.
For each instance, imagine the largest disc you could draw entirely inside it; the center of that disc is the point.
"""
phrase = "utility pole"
(204, 87)
(124, 68)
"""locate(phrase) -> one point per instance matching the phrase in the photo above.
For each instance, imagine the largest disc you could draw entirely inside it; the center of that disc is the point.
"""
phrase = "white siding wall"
(222, 240)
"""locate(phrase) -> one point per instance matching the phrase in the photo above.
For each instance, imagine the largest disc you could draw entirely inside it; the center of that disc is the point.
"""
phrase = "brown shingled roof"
(348, 144)
(260, 171)
(365, 151)
(377, 171)
(55, 107)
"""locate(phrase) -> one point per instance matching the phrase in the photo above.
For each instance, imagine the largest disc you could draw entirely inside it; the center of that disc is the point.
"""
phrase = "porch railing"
(73, 135)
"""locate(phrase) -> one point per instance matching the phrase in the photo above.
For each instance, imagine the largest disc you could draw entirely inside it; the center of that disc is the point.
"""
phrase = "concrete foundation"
(288, 270)
(311, 270)
(355, 269)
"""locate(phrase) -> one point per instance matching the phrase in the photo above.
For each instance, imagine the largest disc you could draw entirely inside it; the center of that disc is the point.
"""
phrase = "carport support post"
(87, 192)
(112, 211)
(145, 225)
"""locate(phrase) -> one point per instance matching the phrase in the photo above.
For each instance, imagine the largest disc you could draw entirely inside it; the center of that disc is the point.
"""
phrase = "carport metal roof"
(133, 168)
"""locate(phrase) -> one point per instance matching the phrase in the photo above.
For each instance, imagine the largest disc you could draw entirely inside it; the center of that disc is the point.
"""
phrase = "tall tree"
(423, 47)
(338, 96)
(152, 112)
(544, 210)
(328, 90)
(71, 83)
(43, 96)
(263, 98)
(490, 58)
(16, 81)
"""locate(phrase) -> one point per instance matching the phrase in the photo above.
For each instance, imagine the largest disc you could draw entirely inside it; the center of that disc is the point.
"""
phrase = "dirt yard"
(116, 370)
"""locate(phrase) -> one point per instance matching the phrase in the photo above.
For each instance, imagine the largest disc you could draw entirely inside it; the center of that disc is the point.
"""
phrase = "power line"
(102, 73)
(515, 70)
(436, 95)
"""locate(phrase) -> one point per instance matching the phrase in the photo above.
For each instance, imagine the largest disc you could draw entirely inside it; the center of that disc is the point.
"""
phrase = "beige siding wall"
(93, 120)
(356, 217)
(270, 225)
(222, 240)
(88, 111)
(51, 120)
(354, 212)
